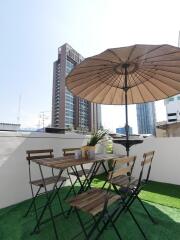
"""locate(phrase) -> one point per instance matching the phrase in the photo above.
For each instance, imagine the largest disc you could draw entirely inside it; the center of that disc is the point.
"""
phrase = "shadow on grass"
(167, 189)
(162, 193)
(14, 227)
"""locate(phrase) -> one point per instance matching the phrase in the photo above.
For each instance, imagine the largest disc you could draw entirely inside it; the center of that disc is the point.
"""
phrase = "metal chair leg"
(32, 203)
(149, 215)
(71, 189)
(59, 199)
(139, 227)
(48, 203)
(81, 223)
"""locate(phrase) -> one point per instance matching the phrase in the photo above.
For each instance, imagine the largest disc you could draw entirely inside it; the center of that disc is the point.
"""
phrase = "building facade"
(69, 111)
(9, 126)
(173, 108)
(146, 118)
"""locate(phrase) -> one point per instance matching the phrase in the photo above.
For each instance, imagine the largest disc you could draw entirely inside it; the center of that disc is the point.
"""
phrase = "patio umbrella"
(128, 75)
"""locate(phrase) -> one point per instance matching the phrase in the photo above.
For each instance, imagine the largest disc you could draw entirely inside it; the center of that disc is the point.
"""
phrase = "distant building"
(9, 127)
(173, 108)
(146, 118)
(69, 111)
(168, 129)
(122, 130)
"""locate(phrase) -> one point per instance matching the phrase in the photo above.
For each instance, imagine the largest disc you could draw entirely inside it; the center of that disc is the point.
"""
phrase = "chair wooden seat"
(47, 181)
(124, 181)
(93, 200)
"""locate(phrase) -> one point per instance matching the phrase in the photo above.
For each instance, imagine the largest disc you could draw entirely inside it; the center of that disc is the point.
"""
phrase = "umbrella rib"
(161, 81)
(162, 55)
(144, 84)
(89, 75)
(91, 80)
(164, 76)
(132, 50)
(99, 59)
(75, 74)
(148, 78)
(162, 60)
(96, 65)
(131, 90)
(136, 84)
(163, 70)
(113, 97)
(114, 54)
(148, 52)
(108, 88)
(94, 84)
(97, 89)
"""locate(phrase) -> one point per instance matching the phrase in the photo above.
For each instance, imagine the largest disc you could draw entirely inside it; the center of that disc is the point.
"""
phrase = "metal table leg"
(49, 198)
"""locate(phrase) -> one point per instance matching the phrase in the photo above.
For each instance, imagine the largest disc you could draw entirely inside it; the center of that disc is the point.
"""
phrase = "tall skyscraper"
(69, 111)
(146, 118)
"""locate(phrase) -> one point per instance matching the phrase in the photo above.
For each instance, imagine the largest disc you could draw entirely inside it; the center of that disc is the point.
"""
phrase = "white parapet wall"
(166, 162)
(14, 186)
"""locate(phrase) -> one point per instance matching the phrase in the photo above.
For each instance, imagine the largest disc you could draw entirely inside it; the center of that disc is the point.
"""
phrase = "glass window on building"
(69, 66)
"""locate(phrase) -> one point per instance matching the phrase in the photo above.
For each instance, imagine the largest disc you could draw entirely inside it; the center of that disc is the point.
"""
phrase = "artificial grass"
(14, 227)
(162, 193)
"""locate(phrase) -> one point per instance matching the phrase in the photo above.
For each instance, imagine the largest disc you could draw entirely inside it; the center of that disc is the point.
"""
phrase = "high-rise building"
(173, 108)
(69, 111)
(146, 118)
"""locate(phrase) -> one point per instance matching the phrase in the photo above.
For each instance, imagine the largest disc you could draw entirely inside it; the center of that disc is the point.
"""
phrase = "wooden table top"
(70, 161)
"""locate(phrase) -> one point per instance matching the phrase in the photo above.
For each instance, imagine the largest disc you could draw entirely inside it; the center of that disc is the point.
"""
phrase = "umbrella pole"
(126, 108)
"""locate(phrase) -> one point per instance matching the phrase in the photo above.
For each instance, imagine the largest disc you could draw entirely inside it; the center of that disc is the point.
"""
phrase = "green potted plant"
(94, 139)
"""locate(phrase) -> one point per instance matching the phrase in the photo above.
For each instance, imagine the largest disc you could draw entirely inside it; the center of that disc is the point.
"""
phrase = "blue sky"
(32, 31)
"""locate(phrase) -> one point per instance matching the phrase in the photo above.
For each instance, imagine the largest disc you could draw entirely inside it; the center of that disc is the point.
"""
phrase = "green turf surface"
(162, 193)
(14, 227)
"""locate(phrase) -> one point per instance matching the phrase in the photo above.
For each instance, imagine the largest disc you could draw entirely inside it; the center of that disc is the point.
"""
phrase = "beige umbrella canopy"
(128, 75)
(153, 73)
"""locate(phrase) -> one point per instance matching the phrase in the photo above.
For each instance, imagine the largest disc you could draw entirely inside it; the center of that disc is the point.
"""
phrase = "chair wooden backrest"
(122, 166)
(39, 154)
(146, 163)
(69, 151)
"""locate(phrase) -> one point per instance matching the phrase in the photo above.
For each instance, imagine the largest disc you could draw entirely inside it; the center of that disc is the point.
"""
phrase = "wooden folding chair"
(41, 183)
(96, 203)
(139, 184)
(124, 167)
(129, 187)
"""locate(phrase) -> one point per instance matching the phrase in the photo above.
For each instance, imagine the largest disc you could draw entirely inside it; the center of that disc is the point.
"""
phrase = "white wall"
(166, 162)
(14, 186)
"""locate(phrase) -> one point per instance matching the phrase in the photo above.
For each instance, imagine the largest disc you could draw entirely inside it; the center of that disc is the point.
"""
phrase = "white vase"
(91, 154)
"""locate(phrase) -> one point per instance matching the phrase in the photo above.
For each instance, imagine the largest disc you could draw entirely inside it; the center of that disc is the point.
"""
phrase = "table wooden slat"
(70, 161)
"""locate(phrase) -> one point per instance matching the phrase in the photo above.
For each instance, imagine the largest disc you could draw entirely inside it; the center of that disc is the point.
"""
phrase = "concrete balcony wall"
(166, 163)
(14, 186)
